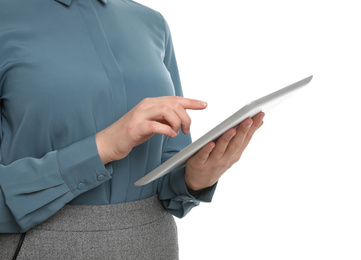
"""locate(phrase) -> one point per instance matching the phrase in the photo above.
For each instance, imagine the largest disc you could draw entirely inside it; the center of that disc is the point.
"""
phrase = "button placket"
(106, 56)
(88, 11)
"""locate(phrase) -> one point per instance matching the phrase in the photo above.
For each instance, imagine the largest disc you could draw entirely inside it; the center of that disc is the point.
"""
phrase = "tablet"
(263, 104)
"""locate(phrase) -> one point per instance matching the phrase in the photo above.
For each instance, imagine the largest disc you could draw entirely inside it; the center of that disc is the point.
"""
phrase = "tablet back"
(264, 104)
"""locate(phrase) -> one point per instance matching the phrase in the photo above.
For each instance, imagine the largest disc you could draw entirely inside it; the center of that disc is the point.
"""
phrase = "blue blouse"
(68, 69)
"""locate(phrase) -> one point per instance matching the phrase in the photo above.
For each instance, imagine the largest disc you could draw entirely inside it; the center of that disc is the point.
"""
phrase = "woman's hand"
(162, 115)
(208, 164)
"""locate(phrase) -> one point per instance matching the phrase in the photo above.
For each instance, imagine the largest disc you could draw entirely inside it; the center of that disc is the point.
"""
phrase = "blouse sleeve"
(172, 188)
(32, 190)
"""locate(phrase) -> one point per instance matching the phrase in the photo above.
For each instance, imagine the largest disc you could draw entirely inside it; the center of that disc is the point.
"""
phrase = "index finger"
(188, 103)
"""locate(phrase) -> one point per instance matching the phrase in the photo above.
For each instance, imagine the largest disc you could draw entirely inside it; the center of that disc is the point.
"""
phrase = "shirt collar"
(68, 2)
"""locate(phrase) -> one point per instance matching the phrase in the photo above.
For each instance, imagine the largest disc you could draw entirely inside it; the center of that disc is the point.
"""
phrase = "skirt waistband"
(135, 230)
(105, 217)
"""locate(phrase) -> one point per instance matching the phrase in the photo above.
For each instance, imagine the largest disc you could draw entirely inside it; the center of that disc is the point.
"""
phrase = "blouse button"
(81, 186)
(101, 177)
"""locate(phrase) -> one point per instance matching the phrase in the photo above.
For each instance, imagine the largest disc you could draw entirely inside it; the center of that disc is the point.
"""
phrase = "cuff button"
(81, 186)
(101, 177)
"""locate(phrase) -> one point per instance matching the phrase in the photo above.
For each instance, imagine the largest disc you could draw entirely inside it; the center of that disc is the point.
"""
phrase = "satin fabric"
(68, 69)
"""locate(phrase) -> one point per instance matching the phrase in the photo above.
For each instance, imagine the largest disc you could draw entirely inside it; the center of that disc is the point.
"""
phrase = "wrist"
(100, 142)
(191, 185)
(196, 182)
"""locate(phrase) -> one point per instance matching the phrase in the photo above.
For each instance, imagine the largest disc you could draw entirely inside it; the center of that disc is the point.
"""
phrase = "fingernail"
(232, 133)
(203, 104)
(174, 133)
(211, 147)
(248, 123)
(262, 116)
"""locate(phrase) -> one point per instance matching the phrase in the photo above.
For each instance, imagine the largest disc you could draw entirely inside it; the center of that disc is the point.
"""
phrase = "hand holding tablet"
(263, 104)
(204, 168)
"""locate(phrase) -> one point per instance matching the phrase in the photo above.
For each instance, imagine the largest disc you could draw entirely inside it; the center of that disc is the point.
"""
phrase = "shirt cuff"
(81, 167)
(179, 186)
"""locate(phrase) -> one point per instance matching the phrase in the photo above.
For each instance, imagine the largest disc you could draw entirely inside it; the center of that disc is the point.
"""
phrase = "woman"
(91, 101)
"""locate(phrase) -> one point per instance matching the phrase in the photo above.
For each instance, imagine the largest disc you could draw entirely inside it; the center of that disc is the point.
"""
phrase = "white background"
(296, 193)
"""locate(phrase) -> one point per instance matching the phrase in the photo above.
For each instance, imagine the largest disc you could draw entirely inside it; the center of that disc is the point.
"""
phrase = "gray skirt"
(135, 230)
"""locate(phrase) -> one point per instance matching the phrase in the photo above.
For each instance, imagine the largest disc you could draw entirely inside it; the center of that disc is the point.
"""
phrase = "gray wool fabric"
(135, 230)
